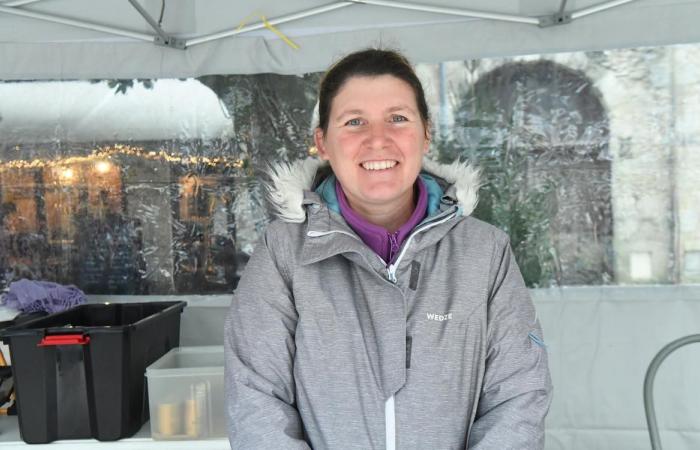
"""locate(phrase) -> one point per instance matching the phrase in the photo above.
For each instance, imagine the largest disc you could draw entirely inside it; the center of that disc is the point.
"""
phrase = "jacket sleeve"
(516, 390)
(259, 352)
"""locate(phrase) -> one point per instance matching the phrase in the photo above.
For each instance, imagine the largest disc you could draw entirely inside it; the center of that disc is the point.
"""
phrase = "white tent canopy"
(34, 46)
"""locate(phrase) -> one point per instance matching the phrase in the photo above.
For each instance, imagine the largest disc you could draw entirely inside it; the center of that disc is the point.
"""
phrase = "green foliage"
(271, 113)
(510, 198)
(120, 86)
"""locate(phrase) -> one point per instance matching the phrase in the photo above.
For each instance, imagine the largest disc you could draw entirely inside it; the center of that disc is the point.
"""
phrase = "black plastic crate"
(80, 373)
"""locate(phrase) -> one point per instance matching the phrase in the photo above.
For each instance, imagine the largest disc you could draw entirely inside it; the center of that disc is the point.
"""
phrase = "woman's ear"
(426, 143)
(320, 144)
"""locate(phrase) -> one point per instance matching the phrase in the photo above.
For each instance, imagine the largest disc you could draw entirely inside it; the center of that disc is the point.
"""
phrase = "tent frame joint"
(162, 38)
(555, 20)
(169, 41)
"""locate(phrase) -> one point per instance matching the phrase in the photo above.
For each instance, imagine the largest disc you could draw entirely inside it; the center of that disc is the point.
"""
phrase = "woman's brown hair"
(368, 63)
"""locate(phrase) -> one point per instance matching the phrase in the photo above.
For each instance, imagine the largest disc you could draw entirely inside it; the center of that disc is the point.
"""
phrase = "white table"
(9, 439)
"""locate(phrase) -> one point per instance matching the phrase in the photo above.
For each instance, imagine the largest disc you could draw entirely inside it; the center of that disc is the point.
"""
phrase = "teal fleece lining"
(434, 194)
(327, 192)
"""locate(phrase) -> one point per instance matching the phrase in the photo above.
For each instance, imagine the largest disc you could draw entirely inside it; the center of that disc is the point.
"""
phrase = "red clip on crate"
(64, 339)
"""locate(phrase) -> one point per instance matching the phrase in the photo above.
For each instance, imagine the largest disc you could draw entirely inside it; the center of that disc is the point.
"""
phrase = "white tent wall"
(601, 341)
(36, 49)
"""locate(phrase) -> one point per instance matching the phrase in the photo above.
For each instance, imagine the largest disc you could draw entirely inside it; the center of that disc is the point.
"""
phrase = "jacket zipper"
(389, 407)
(393, 244)
(391, 270)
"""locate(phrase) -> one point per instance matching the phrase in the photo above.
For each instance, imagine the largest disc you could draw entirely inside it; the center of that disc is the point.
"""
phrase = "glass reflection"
(154, 186)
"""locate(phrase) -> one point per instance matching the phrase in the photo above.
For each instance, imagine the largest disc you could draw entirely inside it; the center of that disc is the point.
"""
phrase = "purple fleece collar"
(378, 238)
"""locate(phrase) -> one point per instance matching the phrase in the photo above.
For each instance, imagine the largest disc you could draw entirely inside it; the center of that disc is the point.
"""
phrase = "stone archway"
(541, 132)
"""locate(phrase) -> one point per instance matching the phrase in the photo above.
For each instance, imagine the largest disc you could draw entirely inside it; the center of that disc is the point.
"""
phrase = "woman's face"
(375, 141)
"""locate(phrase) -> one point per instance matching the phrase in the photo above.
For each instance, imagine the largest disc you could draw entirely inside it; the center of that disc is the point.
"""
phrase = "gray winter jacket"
(328, 348)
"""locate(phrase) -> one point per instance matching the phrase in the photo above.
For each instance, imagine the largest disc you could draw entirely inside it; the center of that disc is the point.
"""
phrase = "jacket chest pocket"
(445, 337)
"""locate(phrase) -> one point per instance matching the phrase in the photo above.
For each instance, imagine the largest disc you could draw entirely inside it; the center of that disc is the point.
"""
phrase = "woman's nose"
(377, 136)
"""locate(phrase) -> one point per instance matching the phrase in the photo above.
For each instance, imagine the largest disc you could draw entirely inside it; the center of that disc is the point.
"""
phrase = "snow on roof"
(81, 111)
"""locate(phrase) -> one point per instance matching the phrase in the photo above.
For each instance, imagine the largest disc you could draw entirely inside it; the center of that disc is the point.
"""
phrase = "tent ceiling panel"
(34, 49)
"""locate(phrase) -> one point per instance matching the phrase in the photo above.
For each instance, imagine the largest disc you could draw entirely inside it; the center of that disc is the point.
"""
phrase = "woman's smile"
(380, 165)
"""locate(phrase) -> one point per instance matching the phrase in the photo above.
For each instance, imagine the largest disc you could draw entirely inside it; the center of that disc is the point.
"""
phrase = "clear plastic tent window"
(154, 186)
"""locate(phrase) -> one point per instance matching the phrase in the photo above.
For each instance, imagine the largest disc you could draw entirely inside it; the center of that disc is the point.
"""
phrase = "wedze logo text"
(439, 317)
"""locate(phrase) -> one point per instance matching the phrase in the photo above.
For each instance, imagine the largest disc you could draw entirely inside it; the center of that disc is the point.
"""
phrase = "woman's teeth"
(378, 165)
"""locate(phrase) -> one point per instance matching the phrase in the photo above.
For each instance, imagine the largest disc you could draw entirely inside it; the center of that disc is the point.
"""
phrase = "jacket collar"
(459, 182)
(330, 234)
(293, 200)
(326, 189)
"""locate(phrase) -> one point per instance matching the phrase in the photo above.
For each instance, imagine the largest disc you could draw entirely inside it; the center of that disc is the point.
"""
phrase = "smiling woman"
(375, 142)
(377, 308)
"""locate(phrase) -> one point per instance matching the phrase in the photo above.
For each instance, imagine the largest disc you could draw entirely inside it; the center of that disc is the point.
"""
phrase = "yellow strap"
(248, 17)
(271, 27)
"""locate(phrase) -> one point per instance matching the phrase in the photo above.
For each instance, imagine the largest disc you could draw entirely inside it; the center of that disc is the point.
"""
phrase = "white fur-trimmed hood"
(288, 181)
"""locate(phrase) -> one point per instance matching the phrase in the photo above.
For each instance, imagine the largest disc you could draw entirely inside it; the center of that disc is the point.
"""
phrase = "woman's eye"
(398, 118)
(354, 122)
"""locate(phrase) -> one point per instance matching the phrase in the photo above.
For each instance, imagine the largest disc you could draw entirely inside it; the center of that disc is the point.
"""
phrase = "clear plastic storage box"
(186, 394)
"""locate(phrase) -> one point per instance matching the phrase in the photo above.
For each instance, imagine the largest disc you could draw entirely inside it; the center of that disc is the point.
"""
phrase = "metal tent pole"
(76, 23)
(451, 11)
(562, 17)
(19, 3)
(559, 18)
(649, 385)
(598, 8)
(276, 21)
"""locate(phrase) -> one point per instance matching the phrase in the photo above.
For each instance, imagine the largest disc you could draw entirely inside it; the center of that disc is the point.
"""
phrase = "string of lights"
(102, 154)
